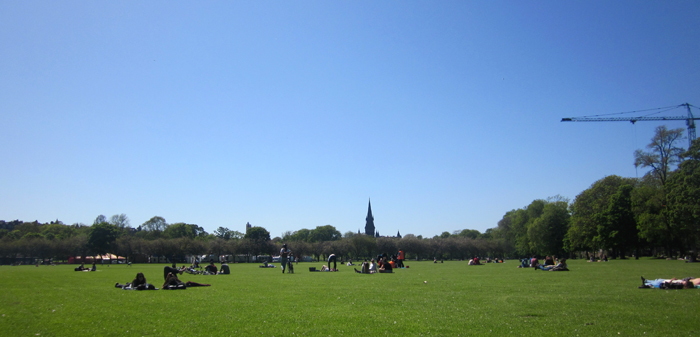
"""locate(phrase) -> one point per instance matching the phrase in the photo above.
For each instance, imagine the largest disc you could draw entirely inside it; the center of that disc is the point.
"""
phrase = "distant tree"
(101, 237)
(469, 233)
(257, 234)
(664, 153)
(183, 230)
(99, 219)
(227, 234)
(324, 233)
(155, 223)
(121, 221)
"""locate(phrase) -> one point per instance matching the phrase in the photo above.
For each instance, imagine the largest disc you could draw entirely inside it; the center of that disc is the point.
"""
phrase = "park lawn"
(593, 299)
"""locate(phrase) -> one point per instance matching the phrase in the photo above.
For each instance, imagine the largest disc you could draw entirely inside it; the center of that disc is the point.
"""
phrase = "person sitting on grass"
(386, 267)
(211, 268)
(364, 269)
(524, 263)
(372, 267)
(561, 266)
(548, 261)
(94, 267)
(225, 270)
(168, 270)
(534, 263)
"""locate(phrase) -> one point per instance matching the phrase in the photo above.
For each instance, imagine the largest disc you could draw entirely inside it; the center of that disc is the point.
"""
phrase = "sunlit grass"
(592, 299)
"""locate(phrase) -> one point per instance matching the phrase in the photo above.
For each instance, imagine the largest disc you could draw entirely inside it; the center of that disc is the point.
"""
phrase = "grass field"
(593, 299)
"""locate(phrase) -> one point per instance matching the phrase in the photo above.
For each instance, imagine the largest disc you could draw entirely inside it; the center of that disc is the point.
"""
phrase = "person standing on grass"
(401, 258)
(334, 259)
(284, 254)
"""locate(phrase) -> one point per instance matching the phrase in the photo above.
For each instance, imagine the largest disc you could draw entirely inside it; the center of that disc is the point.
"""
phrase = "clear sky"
(292, 115)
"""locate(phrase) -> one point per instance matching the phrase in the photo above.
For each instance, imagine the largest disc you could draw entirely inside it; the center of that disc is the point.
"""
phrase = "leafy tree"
(546, 232)
(183, 230)
(683, 193)
(257, 234)
(155, 223)
(99, 219)
(663, 154)
(469, 233)
(324, 233)
(121, 221)
(619, 230)
(227, 234)
(590, 210)
(651, 214)
(101, 237)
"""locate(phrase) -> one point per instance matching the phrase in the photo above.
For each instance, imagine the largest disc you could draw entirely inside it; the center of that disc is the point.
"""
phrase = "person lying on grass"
(139, 283)
(172, 282)
(561, 266)
(325, 268)
(674, 283)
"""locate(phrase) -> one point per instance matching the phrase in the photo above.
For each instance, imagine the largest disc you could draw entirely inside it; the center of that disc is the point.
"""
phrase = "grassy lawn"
(594, 299)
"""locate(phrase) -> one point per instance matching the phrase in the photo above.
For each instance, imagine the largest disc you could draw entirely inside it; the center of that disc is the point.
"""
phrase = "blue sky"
(291, 115)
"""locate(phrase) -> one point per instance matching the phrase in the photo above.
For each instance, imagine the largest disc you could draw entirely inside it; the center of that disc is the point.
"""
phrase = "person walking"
(284, 253)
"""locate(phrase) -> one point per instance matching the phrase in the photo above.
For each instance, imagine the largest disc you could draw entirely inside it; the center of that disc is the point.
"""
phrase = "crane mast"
(689, 120)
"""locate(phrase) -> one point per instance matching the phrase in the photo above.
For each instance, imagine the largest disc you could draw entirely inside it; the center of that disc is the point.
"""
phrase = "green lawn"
(594, 299)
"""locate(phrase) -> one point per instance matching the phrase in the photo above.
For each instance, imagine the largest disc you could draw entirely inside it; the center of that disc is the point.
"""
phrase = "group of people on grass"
(385, 264)
(81, 267)
(551, 263)
(172, 282)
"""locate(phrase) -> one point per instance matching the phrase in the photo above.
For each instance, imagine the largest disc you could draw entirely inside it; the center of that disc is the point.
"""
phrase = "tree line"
(156, 237)
(656, 214)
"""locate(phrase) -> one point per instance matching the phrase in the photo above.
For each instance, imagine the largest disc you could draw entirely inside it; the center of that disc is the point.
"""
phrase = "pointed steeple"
(369, 224)
(398, 234)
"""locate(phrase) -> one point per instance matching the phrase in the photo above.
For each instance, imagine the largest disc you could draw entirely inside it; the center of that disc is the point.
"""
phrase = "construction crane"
(689, 119)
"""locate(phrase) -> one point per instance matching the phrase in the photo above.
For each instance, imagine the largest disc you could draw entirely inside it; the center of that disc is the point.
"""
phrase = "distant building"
(369, 224)
(248, 226)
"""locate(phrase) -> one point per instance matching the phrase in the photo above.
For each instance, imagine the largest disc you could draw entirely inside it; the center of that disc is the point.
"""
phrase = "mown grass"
(594, 299)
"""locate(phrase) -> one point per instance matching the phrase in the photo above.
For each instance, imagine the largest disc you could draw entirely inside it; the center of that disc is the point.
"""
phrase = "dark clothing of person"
(211, 268)
(549, 262)
(168, 270)
(332, 258)
(225, 269)
(387, 267)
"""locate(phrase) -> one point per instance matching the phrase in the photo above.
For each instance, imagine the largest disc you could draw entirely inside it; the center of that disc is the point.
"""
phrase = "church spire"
(369, 224)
